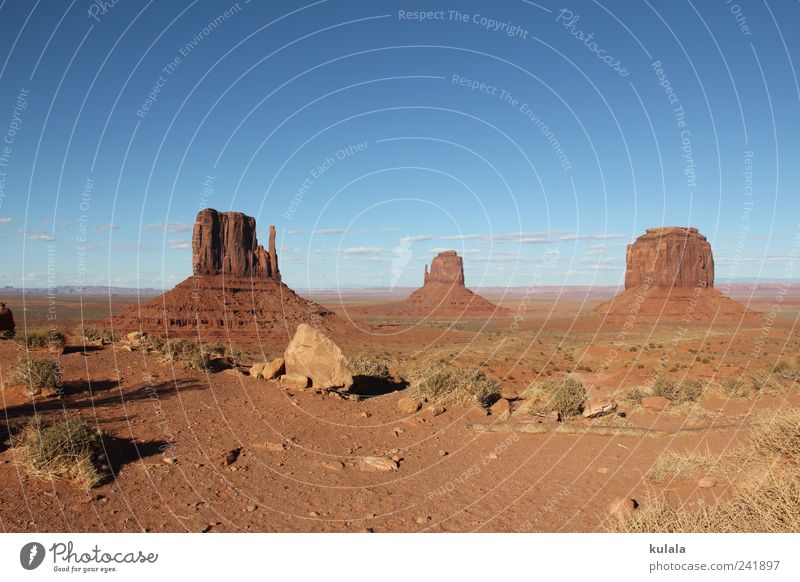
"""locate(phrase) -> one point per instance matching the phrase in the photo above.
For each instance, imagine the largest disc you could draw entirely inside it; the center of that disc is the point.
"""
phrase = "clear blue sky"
(535, 140)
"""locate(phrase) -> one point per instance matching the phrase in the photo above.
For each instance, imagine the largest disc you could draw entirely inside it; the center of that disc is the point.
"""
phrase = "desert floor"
(301, 465)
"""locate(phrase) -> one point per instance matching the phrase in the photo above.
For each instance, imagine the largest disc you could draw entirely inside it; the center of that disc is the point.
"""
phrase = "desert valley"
(233, 403)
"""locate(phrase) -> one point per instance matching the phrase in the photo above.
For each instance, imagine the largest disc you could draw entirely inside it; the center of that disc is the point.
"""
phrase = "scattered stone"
(595, 406)
(501, 408)
(274, 369)
(603, 470)
(333, 465)
(443, 453)
(251, 508)
(256, 369)
(312, 354)
(437, 409)
(707, 483)
(555, 416)
(422, 520)
(294, 381)
(135, 338)
(382, 464)
(170, 460)
(313, 514)
(408, 405)
(272, 446)
(655, 403)
(230, 457)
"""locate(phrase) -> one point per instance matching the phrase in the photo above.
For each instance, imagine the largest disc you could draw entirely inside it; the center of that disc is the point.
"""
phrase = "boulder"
(623, 506)
(6, 321)
(408, 405)
(437, 409)
(656, 403)
(294, 381)
(311, 353)
(595, 406)
(672, 256)
(135, 337)
(383, 464)
(257, 369)
(501, 408)
(274, 369)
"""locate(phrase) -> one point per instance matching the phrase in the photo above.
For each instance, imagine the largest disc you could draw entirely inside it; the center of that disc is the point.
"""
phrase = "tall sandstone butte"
(671, 256)
(225, 243)
(446, 267)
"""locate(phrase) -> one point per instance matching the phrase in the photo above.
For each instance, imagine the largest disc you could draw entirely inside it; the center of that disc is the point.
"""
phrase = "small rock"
(603, 470)
(251, 508)
(408, 405)
(422, 520)
(707, 483)
(442, 453)
(313, 514)
(656, 403)
(501, 408)
(256, 369)
(230, 457)
(333, 465)
(595, 406)
(437, 409)
(274, 369)
(555, 416)
(294, 381)
(383, 464)
(170, 460)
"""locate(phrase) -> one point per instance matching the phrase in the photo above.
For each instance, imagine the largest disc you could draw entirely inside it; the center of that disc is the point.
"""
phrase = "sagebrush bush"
(36, 373)
(633, 395)
(565, 396)
(93, 334)
(67, 449)
(186, 353)
(37, 339)
(446, 385)
(364, 366)
(678, 392)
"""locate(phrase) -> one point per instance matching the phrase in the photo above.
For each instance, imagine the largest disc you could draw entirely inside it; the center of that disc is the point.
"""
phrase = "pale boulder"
(311, 353)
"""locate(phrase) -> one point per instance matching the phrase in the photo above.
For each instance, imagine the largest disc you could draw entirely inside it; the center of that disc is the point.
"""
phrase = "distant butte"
(669, 275)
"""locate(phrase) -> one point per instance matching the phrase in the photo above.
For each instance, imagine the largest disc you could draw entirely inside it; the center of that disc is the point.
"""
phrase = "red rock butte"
(669, 275)
(236, 290)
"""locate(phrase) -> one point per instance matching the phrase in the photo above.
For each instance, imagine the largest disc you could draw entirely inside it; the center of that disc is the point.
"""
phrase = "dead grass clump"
(444, 385)
(779, 434)
(186, 353)
(38, 374)
(565, 396)
(37, 339)
(678, 392)
(750, 386)
(364, 366)
(94, 334)
(68, 449)
(633, 396)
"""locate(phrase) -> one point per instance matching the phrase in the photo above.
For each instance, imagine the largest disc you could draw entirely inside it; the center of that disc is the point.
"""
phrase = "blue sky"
(535, 139)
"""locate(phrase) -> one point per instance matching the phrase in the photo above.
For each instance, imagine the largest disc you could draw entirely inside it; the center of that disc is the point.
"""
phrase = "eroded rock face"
(311, 353)
(670, 256)
(6, 321)
(225, 243)
(446, 267)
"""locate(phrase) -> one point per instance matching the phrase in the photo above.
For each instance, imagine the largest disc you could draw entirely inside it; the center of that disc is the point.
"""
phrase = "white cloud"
(179, 244)
(172, 227)
(364, 250)
(390, 229)
(416, 238)
(106, 227)
(329, 231)
(293, 232)
(42, 237)
(6, 219)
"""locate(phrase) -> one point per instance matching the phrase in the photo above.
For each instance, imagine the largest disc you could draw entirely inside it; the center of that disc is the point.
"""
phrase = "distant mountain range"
(88, 290)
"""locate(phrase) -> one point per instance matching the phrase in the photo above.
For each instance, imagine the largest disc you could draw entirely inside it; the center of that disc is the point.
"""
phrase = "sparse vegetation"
(446, 385)
(38, 374)
(765, 485)
(37, 339)
(184, 352)
(689, 391)
(93, 334)
(364, 366)
(633, 395)
(565, 396)
(68, 449)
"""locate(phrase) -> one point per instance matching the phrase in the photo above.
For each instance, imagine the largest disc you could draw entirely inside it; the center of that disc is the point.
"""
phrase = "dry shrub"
(764, 495)
(364, 366)
(93, 334)
(36, 373)
(36, 339)
(565, 396)
(68, 449)
(633, 396)
(444, 385)
(750, 386)
(186, 353)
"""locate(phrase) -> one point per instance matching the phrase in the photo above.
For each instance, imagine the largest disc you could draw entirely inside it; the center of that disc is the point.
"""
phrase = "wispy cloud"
(6, 220)
(390, 229)
(329, 231)
(364, 250)
(293, 232)
(179, 244)
(417, 238)
(172, 227)
(106, 227)
(42, 237)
